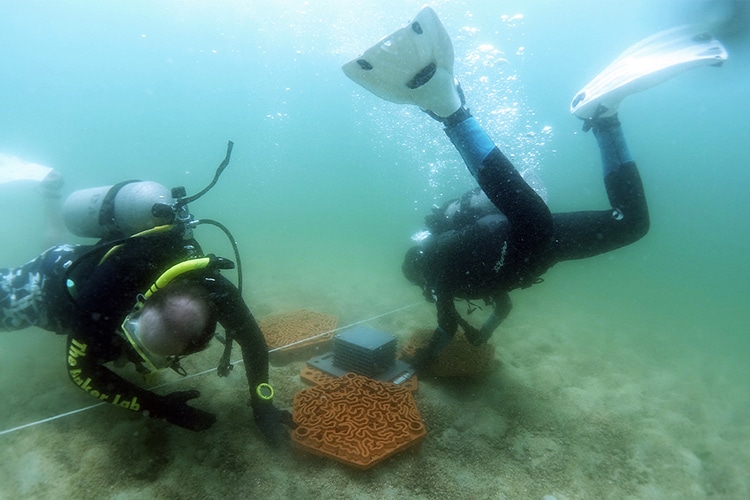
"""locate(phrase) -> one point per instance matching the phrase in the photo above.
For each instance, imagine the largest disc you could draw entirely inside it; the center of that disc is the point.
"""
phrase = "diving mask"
(130, 330)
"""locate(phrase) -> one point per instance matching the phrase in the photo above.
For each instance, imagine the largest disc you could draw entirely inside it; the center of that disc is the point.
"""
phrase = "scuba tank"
(123, 209)
(461, 212)
(126, 211)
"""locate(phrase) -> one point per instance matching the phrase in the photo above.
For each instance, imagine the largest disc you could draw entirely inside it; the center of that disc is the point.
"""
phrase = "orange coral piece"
(458, 359)
(293, 330)
(313, 376)
(356, 420)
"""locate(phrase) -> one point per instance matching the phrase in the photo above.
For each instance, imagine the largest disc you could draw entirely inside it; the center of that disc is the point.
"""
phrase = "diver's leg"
(21, 296)
(645, 64)
(588, 233)
(30, 294)
(530, 220)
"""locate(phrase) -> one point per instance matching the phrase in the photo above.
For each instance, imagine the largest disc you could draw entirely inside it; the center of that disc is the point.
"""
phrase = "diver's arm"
(238, 321)
(254, 353)
(448, 322)
(480, 336)
(502, 308)
(240, 325)
(98, 381)
(447, 317)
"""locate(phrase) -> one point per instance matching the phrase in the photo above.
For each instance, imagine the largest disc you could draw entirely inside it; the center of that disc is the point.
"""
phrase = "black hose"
(219, 170)
(235, 248)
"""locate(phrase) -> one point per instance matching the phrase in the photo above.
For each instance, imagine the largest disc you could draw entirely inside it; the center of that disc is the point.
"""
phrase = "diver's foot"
(601, 110)
(453, 94)
(421, 360)
(601, 122)
(458, 115)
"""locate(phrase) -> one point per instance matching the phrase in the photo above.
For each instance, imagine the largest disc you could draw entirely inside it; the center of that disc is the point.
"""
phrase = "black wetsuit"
(104, 294)
(484, 253)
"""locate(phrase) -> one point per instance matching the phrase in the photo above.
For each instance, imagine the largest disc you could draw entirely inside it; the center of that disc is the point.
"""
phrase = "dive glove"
(175, 410)
(270, 419)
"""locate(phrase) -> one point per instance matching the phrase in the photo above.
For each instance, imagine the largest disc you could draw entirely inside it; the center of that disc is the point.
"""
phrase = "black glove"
(175, 410)
(426, 355)
(270, 419)
(474, 336)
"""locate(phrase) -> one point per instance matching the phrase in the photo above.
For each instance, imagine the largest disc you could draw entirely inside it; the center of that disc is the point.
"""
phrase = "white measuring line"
(86, 408)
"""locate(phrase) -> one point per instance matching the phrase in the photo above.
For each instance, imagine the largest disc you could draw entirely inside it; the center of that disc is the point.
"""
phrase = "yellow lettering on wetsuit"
(78, 350)
(128, 404)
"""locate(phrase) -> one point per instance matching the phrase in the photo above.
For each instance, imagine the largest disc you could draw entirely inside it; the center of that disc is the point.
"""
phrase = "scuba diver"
(502, 236)
(145, 293)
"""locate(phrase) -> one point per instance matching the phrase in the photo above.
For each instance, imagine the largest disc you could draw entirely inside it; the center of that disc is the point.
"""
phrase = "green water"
(328, 183)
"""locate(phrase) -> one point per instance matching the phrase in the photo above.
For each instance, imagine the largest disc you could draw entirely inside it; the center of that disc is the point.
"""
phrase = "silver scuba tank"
(124, 209)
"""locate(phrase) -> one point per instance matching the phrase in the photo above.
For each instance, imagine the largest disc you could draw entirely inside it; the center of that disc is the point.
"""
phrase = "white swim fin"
(16, 169)
(644, 65)
(414, 65)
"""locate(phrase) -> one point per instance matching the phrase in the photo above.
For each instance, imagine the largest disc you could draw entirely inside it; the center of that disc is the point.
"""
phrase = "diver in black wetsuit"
(483, 251)
(504, 237)
(150, 299)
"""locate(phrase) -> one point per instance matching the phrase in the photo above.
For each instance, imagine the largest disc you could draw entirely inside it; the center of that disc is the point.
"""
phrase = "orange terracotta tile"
(289, 334)
(458, 359)
(356, 420)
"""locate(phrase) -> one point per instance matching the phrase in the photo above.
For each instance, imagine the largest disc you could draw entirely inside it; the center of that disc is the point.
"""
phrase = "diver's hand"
(422, 359)
(424, 356)
(270, 420)
(175, 410)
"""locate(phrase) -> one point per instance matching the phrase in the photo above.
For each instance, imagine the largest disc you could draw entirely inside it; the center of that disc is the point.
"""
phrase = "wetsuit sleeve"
(447, 325)
(92, 377)
(447, 316)
(241, 326)
(500, 311)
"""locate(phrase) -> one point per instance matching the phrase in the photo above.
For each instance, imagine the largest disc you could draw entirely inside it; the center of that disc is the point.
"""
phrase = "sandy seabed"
(571, 412)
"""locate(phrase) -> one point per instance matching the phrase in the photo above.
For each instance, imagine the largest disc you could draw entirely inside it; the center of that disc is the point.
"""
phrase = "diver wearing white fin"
(479, 251)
